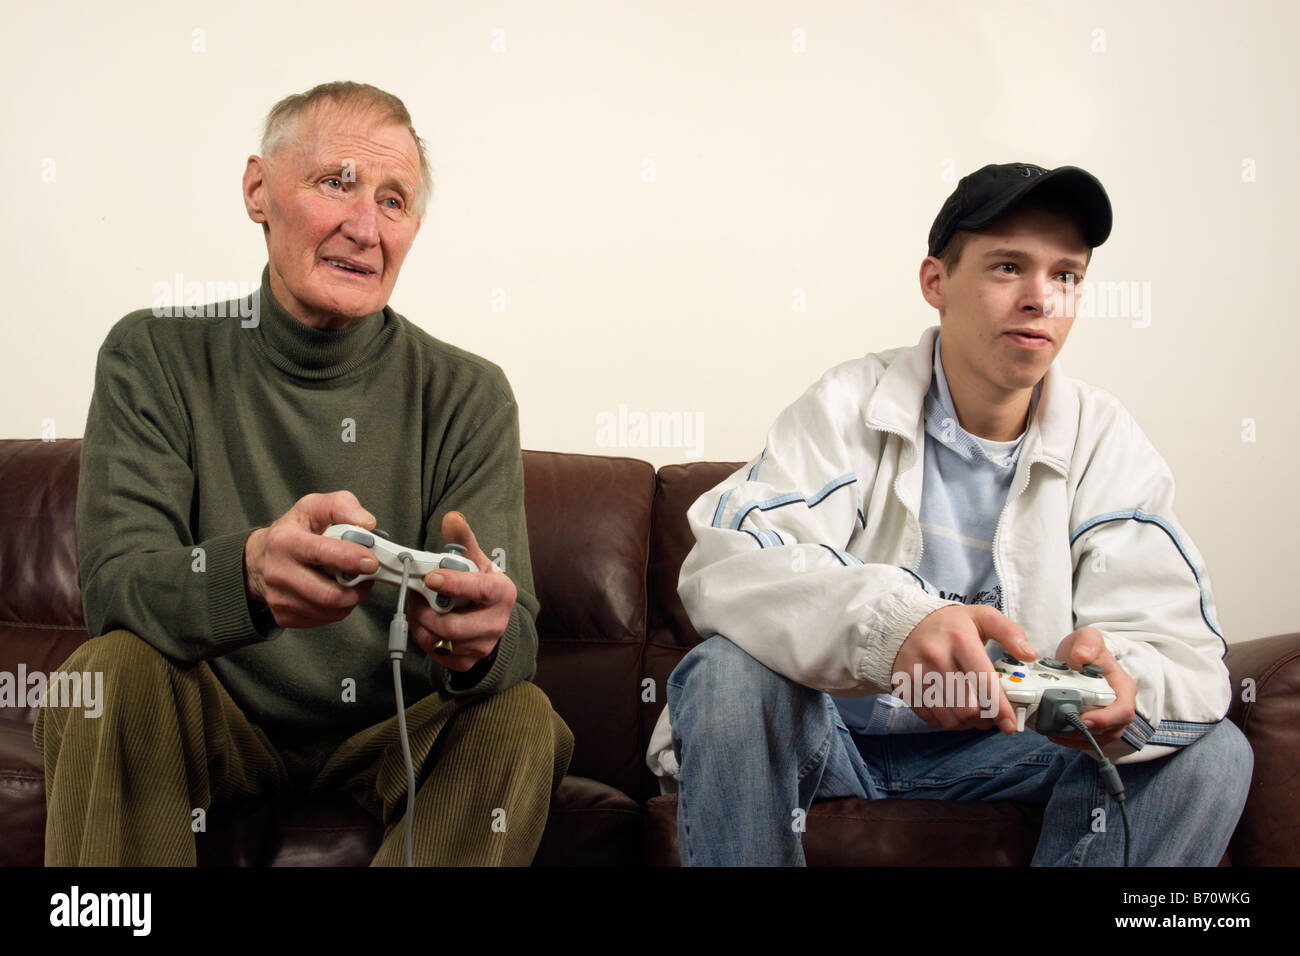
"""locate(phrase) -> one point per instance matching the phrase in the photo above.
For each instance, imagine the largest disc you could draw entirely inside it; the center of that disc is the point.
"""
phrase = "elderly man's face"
(338, 213)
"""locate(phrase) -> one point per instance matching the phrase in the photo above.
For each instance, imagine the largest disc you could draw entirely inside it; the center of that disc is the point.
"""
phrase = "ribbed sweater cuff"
(231, 624)
(501, 658)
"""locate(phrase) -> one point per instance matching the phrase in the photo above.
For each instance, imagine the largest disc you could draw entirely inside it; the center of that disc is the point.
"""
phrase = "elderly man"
(235, 663)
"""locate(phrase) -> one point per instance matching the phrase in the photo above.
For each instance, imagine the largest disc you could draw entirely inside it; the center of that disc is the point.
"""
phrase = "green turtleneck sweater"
(201, 430)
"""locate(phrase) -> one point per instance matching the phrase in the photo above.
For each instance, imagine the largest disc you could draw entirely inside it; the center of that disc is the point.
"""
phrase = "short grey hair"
(283, 123)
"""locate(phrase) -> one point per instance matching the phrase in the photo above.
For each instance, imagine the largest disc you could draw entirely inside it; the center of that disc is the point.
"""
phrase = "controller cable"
(397, 631)
(1106, 771)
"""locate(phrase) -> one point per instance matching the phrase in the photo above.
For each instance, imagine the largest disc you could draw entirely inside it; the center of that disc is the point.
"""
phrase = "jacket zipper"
(916, 520)
(997, 531)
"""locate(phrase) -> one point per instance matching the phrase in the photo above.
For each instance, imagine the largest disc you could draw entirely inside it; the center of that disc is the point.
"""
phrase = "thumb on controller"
(456, 530)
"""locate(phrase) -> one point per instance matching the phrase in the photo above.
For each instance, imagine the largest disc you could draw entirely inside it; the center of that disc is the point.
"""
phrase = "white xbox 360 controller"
(389, 555)
(1026, 684)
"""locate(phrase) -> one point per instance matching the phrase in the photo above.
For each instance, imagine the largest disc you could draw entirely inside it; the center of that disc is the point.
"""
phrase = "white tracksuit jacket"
(1087, 537)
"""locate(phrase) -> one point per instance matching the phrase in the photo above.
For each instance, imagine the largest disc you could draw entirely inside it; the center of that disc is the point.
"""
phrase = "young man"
(918, 513)
(235, 664)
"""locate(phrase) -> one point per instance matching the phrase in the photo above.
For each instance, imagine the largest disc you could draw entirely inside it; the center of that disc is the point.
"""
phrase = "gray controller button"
(1093, 670)
(383, 534)
(1054, 664)
(359, 537)
(456, 549)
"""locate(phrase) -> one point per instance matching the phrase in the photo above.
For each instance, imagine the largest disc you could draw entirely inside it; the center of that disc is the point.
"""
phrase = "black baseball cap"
(990, 191)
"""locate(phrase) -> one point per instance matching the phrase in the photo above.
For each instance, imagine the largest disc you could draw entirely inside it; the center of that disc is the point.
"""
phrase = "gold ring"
(442, 648)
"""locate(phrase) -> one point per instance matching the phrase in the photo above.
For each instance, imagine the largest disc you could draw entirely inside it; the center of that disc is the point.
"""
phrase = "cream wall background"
(652, 191)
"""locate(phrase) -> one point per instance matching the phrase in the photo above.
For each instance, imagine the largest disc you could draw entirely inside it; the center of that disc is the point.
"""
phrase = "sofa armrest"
(1266, 706)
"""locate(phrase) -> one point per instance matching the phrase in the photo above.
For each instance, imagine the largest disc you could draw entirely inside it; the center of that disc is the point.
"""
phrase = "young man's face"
(1017, 273)
(339, 215)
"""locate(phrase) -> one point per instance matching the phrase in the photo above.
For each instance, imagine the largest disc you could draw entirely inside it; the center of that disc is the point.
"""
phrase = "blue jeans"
(755, 749)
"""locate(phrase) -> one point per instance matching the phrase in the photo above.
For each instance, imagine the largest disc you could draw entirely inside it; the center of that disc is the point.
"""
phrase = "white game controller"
(390, 555)
(1037, 689)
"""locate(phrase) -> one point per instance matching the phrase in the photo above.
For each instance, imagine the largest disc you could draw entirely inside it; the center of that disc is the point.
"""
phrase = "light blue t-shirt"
(964, 488)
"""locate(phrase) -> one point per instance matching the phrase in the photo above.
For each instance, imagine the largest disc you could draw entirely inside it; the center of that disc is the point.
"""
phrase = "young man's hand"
(951, 640)
(1085, 646)
(472, 631)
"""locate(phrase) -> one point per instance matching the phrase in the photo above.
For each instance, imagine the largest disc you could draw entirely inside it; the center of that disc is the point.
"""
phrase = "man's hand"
(283, 562)
(472, 631)
(950, 641)
(1085, 646)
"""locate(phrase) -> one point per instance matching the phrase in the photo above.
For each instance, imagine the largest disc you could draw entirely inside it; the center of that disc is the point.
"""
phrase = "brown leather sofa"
(608, 536)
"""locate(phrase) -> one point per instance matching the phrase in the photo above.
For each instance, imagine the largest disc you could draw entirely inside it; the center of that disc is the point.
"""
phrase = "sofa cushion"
(669, 634)
(589, 534)
(22, 796)
(590, 824)
(27, 649)
(850, 831)
(677, 488)
(38, 532)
